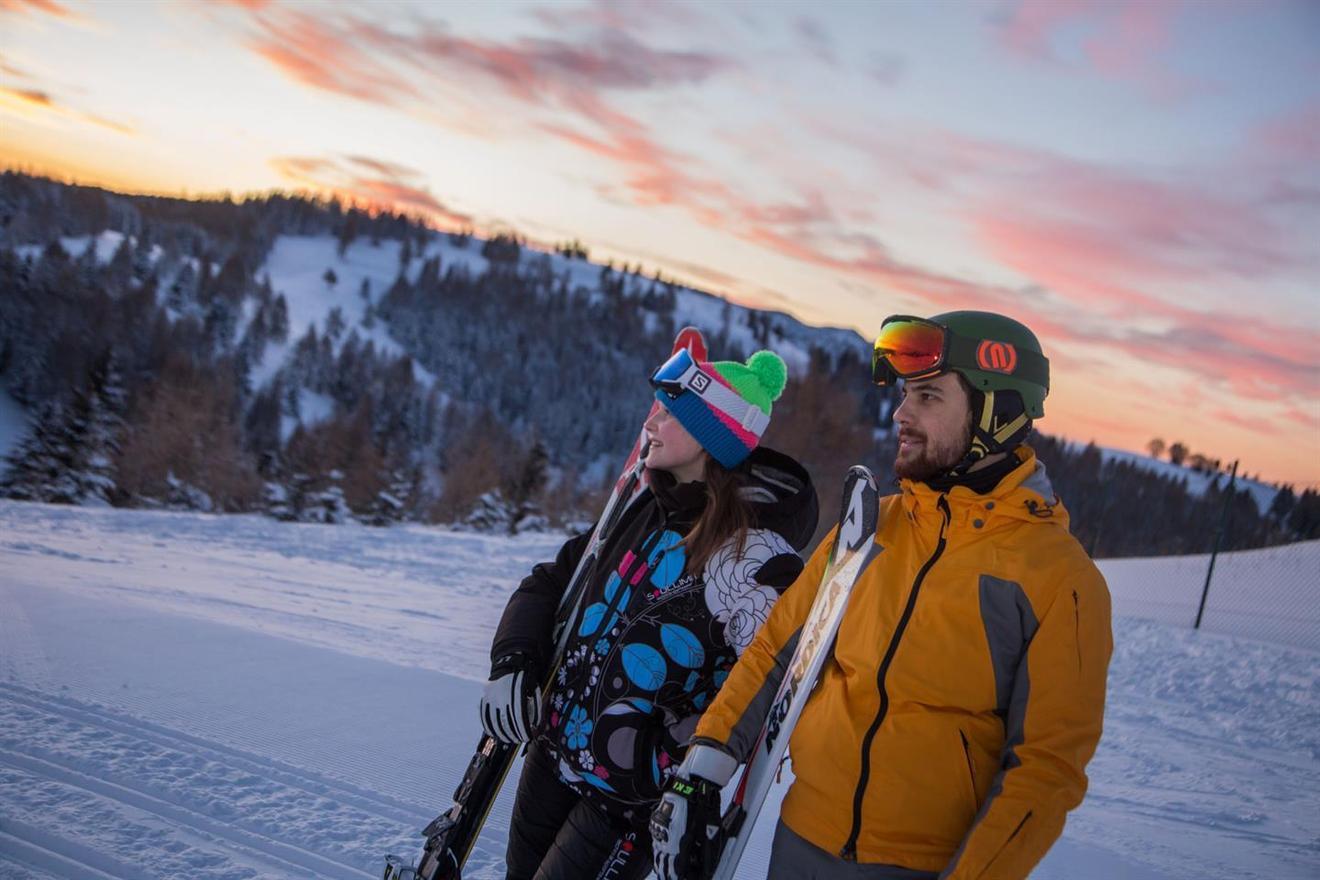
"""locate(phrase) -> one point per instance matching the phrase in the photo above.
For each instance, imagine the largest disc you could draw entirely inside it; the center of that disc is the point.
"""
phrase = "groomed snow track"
(201, 809)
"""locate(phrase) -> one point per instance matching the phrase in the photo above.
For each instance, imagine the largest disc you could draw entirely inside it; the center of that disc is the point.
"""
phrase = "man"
(950, 731)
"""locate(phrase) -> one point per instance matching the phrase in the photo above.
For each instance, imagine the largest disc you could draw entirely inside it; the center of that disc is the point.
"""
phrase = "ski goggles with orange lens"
(914, 348)
(908, 347)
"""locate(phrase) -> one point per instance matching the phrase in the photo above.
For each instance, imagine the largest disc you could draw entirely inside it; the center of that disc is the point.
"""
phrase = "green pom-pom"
(771, 371)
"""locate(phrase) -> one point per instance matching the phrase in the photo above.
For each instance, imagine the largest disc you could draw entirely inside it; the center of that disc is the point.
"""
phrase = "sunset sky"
(1138, 181)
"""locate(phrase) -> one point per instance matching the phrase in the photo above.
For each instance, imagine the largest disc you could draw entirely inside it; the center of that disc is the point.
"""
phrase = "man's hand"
(687, 819)
(511, 703)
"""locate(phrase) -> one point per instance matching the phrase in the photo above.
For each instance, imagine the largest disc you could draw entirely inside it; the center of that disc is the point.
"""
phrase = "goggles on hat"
(682, 375)
(914, 348)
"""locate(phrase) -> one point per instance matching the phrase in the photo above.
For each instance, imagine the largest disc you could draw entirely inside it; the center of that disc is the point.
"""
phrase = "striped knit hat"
(726, 405)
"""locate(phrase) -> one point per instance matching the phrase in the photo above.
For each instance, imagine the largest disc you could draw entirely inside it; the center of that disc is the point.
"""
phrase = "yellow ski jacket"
(951, 729)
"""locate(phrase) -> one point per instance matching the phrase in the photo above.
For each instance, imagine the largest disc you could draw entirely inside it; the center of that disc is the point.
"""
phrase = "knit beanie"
(727, 437)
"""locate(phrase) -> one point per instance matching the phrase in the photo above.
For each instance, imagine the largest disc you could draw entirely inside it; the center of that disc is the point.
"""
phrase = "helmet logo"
(997, 357)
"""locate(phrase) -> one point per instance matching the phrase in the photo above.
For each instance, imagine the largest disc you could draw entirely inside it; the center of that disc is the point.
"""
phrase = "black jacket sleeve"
(528, 622)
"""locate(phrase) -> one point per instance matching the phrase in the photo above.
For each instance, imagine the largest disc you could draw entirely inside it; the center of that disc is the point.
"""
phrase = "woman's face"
(672, 448)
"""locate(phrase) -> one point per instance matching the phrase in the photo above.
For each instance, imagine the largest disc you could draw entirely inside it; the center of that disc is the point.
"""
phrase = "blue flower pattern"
(578, 729)
(627, 647)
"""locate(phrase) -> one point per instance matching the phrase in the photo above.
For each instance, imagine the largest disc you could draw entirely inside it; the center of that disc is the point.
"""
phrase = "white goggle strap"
(723, 398)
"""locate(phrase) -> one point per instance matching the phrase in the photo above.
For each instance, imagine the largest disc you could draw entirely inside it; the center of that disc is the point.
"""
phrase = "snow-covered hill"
(297, 266)
(185, 695)
(1197, 481)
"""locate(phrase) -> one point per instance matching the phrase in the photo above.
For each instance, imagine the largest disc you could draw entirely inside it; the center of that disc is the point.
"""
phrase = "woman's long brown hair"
(727, 515)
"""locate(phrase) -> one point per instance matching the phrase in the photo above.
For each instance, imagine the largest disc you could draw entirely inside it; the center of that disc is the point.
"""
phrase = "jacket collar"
(1024, 494)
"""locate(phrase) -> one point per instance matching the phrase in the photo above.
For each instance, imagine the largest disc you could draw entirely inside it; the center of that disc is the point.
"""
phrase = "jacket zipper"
(849, 851)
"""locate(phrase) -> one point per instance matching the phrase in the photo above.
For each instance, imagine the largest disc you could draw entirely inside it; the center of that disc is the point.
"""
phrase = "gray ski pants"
(793, 858)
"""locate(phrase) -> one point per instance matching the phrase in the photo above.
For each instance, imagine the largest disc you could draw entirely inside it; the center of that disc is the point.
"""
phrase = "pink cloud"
(531, 69)
(49, 7)
(1124, 40)
(393, 187)
(1255, 357)
(249, 5)
(311, 50)
(1310, 420)
(1294, 135)
(382, 167)
(638, 16)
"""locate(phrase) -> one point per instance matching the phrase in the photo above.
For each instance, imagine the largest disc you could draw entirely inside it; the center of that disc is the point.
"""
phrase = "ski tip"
(693, 340)
(860, 508)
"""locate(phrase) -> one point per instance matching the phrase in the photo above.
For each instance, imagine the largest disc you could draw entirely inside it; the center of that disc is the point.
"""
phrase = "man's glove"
(511, 703)
(687, 819)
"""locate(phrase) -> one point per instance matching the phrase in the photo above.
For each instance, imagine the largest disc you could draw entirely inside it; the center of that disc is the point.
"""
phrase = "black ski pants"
(554, 834)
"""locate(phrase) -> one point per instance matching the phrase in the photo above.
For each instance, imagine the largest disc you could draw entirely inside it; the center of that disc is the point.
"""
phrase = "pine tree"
(278, 325)
(328, 505)
(524, 490)
(334, 323)
(182, 495)
(491, 513)
(68, 457)
(33, 467)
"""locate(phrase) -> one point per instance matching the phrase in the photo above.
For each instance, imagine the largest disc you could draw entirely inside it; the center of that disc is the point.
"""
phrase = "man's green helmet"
(1006, 356)
(992, 352)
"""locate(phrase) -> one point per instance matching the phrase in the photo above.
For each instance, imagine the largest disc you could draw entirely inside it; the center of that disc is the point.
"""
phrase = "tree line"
(168, 375)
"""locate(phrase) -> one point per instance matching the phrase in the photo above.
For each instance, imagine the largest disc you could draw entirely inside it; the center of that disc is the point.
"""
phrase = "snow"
(296, 268)
(224, 697)
(1271, 594)
(106, 243)
(13, 423)
(311, 408)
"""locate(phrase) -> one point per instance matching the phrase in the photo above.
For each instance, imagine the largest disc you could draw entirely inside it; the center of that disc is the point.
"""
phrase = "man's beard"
(933, 459)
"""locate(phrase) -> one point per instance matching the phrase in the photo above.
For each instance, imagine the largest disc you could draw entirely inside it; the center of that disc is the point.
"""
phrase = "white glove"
(685, 823)
(511, 703)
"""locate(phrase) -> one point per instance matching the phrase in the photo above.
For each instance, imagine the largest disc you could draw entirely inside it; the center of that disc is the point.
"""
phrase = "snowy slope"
(227, 697)
(297, 265)
(1272, 594)
(296, 268)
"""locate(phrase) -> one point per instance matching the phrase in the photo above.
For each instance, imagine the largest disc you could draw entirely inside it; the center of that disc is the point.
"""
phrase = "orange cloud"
(389, 186)
(49, 7)
(34, 103)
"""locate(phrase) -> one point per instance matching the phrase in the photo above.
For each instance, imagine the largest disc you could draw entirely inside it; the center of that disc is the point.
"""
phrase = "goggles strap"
(724, 399)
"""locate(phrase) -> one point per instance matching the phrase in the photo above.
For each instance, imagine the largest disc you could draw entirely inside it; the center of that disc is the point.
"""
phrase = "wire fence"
(1271, 594)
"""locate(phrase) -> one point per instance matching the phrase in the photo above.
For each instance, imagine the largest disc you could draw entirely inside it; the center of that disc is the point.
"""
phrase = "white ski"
(854, 546)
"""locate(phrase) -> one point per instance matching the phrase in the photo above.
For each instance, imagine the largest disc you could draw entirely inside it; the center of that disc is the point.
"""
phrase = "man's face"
(934, 427)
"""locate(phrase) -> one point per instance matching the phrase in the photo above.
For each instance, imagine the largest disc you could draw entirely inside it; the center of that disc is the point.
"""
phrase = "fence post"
(1219, 536)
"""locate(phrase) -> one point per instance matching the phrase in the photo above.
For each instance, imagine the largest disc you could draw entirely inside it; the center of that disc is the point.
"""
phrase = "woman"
(681, 586)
